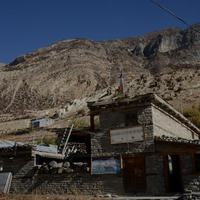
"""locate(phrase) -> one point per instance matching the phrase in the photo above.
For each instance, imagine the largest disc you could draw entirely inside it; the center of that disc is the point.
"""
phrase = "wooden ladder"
(63, 146)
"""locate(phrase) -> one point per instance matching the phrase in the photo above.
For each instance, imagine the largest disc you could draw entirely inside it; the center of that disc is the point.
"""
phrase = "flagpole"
(123, 81)
(121, 85)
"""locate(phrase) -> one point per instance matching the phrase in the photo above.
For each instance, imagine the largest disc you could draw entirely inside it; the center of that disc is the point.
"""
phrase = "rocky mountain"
(2, 64)
(166, 62)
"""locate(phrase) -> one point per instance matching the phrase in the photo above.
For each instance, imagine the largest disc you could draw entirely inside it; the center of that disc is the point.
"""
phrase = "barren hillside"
(166, 62)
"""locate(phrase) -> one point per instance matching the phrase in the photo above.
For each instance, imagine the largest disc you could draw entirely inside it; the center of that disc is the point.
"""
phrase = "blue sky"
(27, 25)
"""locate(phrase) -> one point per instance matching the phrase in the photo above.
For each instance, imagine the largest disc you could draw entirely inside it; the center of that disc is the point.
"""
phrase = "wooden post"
(92, 122)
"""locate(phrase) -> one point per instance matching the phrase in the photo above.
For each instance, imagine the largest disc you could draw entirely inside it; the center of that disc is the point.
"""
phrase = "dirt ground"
(47, 197)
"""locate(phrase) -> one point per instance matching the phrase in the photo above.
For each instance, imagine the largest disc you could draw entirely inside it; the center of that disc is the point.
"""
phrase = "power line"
(171, 13)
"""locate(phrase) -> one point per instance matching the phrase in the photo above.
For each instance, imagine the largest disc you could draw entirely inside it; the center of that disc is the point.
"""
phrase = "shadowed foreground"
(44, 197)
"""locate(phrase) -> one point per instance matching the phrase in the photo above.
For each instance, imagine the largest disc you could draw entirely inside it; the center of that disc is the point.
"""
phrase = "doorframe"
(166, 174)
(144, 167)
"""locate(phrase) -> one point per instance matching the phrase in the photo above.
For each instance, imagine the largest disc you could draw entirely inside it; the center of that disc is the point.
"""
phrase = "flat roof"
(97, 106)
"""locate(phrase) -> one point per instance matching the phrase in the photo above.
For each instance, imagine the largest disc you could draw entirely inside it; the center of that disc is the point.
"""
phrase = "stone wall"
(155, 175)
(112, 119)
(192, 183)
(145, 118)
(26, 180)
(117, 118)
(187, 162)
(101, 143)
(101, 146)
(19, 166)
(71, 183)
(165, 124)
(191, 180)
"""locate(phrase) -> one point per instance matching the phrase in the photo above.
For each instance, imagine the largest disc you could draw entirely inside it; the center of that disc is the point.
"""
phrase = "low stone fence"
(72, 183)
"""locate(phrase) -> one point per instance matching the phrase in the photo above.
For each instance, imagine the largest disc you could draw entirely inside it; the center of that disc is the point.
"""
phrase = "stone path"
(148, 198)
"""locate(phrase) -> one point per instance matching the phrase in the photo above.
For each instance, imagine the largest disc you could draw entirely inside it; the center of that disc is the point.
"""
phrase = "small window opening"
(1, 165)
(131, 119)
(197, 162)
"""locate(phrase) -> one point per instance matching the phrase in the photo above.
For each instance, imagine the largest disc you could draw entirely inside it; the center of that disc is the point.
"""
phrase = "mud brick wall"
(165, 124)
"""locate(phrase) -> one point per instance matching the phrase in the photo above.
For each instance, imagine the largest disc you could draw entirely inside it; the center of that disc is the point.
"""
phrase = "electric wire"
(161, 6)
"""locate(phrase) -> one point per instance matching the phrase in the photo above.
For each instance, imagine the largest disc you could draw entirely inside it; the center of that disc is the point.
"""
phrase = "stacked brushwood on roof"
(13, 148)
(176, 139)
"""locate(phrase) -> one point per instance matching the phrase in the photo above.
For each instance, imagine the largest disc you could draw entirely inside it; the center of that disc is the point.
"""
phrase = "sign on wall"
(126, 135)
(109, 165)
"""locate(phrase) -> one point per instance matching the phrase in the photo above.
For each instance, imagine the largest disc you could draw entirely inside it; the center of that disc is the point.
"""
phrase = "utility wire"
(171, 13)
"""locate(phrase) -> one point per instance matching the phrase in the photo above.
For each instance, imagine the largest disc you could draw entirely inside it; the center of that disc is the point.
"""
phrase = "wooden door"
(134, 174)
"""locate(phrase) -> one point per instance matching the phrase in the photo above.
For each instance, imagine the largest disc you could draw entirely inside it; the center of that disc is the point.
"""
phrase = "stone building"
(16, 164)
(141, 145)
(156, 146)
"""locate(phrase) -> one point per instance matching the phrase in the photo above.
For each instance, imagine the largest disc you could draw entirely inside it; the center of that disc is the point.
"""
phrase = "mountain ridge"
(166, 62)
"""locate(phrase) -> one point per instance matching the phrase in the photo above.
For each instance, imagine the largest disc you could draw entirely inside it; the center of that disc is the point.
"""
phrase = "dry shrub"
(193, 113)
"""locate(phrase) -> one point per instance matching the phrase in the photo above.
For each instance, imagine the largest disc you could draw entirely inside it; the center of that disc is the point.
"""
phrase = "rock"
(66, 164)
(108, 195)
(138, 50)
(53, 164)
(59, 165)
(67, 170)
(44, 169)
(17, 61)
(60, 170)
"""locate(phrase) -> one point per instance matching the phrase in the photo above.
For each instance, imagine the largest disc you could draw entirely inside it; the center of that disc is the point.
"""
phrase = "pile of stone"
(54, 167)
(78, 147)
(191, 196)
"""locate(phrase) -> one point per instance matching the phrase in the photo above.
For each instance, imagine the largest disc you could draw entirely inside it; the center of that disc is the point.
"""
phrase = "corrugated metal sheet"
(49, 155)
(47, 151)
(43, 148)
(5, 182)
(7, 143)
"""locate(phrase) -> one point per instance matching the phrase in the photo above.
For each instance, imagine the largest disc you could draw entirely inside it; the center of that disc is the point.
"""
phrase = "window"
(131, 119)
(197, 162)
